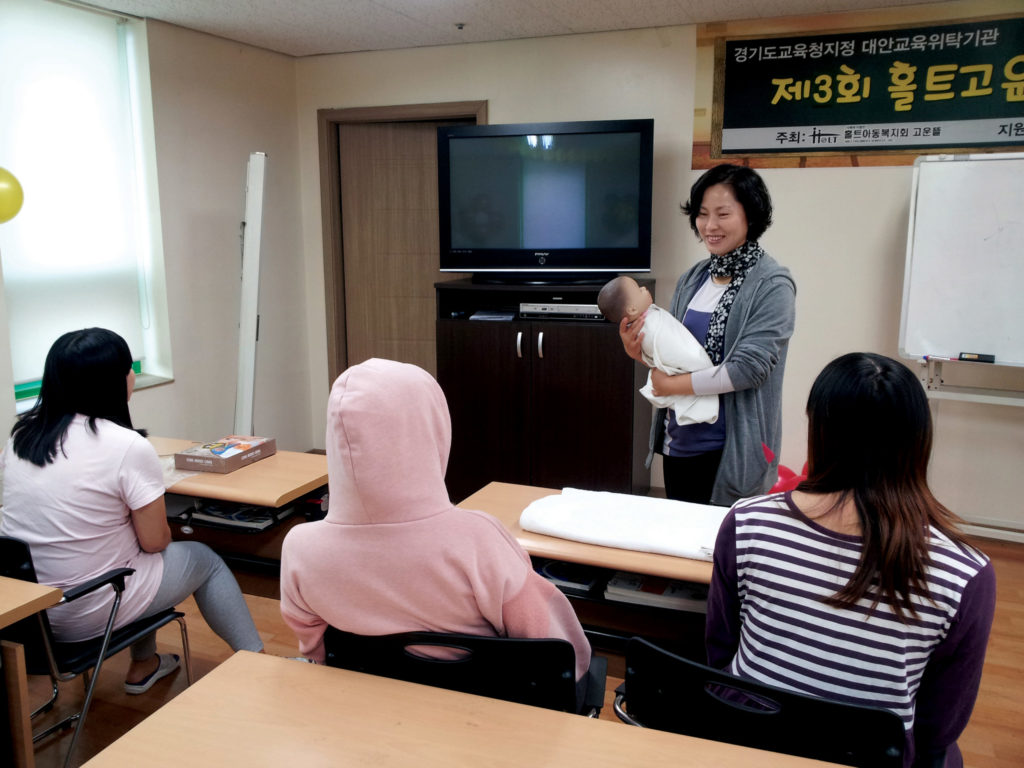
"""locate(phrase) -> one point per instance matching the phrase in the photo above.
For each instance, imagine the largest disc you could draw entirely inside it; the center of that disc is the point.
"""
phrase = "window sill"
(142, 381)
(147, 380)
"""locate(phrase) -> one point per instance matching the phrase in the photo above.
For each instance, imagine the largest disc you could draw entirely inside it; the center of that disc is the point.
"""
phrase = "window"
(76, 130)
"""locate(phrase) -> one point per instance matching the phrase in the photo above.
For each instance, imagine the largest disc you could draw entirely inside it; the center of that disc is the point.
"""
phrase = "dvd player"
(558, 311)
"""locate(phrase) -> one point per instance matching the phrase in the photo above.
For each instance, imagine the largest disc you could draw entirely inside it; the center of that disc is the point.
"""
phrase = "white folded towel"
(620, 520)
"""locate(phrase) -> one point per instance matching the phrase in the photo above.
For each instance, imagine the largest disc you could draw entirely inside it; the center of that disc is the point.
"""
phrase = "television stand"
(542, 278)
(550, 402)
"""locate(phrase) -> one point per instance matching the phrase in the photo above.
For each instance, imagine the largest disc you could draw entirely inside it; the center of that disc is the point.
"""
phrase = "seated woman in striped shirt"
(857, 585)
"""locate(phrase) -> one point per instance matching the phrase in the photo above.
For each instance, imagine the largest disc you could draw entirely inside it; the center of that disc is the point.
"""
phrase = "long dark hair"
(86, 372)
(869, 440)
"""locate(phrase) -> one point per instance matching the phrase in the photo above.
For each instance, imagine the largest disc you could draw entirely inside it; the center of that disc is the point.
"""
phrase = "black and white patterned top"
(767, 620)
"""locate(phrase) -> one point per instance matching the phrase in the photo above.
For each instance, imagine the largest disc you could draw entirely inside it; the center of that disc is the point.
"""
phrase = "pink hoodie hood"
(394, 554)
(386, 464)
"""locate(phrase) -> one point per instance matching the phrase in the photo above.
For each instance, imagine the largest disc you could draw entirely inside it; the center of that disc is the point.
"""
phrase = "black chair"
(539, 672)
(670, 693)
(62, 661)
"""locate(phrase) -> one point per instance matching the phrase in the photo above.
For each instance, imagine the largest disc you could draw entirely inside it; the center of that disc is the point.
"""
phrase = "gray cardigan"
(757, 335)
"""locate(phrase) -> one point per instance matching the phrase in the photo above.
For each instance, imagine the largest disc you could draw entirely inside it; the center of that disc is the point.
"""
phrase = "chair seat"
(73, 658)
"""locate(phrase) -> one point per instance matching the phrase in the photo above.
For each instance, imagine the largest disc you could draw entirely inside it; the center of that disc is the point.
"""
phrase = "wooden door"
(391, 289)
(389, 240)
(484, 369)
(583, 434)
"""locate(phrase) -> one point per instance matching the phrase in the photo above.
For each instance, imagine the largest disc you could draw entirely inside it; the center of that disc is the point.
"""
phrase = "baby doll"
(667, 345)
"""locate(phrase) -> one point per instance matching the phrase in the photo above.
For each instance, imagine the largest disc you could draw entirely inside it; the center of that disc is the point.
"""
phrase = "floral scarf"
(735, 264)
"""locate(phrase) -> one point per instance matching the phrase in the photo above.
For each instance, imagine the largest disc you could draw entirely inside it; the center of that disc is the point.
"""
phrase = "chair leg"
(46, 706)
(67, 722)
(61, 725)
(94, 678)
(618, 706)
(185, 650)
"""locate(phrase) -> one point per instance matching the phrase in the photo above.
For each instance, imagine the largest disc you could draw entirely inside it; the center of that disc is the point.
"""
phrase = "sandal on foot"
(168, 663)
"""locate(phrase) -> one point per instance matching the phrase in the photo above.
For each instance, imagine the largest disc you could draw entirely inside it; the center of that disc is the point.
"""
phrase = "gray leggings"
(193, 568)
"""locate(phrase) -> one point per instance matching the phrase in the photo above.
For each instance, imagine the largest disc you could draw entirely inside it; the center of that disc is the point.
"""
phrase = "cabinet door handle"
(519, 344)
(540, 345)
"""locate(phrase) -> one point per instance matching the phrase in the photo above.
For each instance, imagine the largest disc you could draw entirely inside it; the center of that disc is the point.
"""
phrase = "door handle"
(540, 345)
(519, 344)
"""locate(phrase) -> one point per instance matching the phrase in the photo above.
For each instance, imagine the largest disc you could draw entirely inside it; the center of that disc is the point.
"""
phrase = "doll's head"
(623, 297)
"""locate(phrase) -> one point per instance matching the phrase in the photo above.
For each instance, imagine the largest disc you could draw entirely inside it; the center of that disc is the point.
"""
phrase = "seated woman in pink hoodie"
(394, 554)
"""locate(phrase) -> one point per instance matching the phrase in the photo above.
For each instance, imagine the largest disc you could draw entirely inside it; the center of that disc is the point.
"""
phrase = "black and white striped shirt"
(767, 619)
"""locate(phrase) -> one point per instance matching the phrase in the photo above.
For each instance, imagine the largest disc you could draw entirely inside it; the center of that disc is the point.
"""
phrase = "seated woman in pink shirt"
(394, 554)
(85, 491)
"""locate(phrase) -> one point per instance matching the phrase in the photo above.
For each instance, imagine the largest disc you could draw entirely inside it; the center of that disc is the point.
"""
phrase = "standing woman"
(741, 303)
(857, 585)
(85, 491)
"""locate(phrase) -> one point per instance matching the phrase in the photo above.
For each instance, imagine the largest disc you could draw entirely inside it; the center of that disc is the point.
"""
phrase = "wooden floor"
(994, 738)
(114, 712)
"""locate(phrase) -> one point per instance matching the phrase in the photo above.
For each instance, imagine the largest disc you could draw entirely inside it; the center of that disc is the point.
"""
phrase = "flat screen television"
(552, 201)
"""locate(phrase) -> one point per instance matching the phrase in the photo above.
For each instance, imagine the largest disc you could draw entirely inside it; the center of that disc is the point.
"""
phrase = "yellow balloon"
(11, 196)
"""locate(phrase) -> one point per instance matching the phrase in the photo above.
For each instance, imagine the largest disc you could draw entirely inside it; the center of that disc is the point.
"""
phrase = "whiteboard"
(963, 285)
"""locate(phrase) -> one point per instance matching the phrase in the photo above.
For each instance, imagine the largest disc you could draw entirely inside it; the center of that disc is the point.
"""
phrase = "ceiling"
(310, 27)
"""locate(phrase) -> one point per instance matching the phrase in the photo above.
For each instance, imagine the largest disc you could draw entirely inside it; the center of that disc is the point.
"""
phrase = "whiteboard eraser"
(975, 357)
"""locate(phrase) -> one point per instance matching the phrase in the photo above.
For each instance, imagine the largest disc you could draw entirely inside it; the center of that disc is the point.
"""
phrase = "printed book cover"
(653, 590)
(227, 454)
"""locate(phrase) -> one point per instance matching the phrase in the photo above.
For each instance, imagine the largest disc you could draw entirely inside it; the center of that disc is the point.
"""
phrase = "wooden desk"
(506, 502)
(18, 600)
(259, 710)
(269, 482)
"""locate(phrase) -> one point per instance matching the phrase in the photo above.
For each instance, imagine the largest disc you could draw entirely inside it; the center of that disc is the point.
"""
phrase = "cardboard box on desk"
(225, 455)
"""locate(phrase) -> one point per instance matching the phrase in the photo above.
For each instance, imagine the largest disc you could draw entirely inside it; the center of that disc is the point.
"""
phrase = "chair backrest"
(670, 693)
(16, 563)
(539, 672)
(16, 560)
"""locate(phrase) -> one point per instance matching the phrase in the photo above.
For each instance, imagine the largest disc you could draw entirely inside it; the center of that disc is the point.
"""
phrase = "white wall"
(843, 231)
(214, 102)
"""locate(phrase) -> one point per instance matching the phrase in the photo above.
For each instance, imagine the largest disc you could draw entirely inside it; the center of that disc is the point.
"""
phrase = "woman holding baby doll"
(740, 303)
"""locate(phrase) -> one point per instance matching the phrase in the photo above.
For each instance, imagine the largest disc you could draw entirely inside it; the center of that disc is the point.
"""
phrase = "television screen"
(546, 197)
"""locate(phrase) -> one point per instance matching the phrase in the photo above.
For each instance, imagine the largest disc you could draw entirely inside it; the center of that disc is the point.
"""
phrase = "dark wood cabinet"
(547, 402)
(487, 385)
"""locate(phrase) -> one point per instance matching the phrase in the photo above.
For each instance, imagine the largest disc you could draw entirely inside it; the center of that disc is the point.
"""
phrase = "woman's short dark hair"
(86, 372)
(869, 439)
(749, 189)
